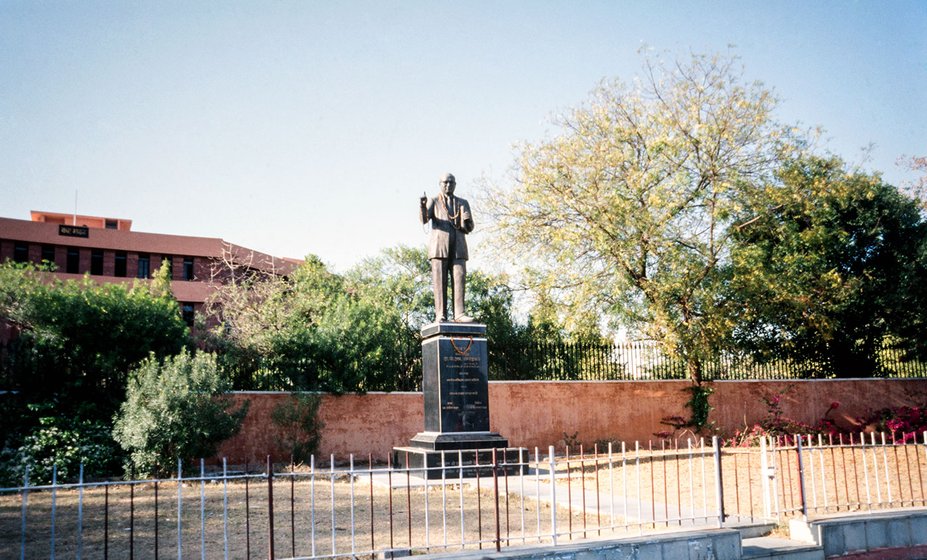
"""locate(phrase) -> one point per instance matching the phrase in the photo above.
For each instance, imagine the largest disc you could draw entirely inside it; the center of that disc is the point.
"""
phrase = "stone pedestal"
(455, 385)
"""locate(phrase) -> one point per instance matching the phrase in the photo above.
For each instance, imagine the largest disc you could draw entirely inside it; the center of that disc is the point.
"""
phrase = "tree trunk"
(694, 365)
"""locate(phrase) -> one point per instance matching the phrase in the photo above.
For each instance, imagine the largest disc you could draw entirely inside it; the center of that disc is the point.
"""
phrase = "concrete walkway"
(779, 548)
(538, 487)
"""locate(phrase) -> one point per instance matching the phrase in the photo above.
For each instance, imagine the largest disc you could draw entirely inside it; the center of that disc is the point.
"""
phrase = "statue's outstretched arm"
(426, 209)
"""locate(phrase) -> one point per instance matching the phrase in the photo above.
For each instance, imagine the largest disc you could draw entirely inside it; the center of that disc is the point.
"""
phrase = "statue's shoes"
(464, 319)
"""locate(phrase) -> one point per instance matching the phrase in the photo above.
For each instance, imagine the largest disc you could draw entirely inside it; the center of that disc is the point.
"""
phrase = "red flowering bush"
(904, 423)
(776, 424)
(901, 424)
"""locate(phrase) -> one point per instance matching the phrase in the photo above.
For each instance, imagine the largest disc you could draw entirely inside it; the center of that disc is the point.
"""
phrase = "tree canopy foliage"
(307, 331)
(831, 263)
(317, 330)
(78, 339)
(630, 207)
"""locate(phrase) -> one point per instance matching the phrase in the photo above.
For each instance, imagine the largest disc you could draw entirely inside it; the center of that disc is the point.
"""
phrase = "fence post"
(312, 502)
(202, 509)
(353, 518)
(766, 475)
(54, 507)
(25, 506)
(225, 509)
(80, 515)
(553, 494)
(105, 521)
(155, 513)
(179, 507)
(132, 514)
(924, 434)
(719, 483)
(495, 486)
(801, 479)
(270, 509)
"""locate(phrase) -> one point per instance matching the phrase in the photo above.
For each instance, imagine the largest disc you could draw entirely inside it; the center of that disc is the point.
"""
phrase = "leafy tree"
(319, 331)
(830, 265)
(916, 187)
(360, 346)
(18, 285)
(264, 324)
(400, 279)
(72, 344)
(400, 276)
(311, 330)
(629, 208)
(79, 339)
(178, 409)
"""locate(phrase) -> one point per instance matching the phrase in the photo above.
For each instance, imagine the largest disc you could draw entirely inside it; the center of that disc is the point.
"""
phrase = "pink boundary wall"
(539, 413)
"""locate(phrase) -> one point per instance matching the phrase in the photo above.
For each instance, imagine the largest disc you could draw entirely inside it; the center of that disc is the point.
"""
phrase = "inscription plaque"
(459, 393)
(455, 387)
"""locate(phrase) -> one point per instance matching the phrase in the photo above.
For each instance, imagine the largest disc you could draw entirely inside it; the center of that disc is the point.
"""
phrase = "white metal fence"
(349, 510)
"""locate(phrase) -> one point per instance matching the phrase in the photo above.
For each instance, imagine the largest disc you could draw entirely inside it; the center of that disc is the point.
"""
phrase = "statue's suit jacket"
(446, 242)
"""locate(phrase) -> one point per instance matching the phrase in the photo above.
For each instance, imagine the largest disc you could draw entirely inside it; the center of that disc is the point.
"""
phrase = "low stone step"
(750, 529)
(778, 548)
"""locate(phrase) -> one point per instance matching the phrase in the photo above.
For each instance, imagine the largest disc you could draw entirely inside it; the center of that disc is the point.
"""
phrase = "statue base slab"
(461, 463)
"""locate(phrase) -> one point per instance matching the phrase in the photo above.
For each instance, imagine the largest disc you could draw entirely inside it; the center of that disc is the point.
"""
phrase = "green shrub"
(175, 410)
(59, 440)
(300, 427)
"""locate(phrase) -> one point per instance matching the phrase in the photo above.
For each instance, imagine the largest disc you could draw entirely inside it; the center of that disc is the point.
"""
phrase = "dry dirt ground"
(121, 524)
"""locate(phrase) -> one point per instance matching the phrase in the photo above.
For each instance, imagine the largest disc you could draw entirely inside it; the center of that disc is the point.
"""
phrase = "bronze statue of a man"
(451, 221)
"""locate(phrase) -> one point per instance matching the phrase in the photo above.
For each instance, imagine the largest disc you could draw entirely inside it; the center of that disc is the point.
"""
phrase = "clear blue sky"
(313, 127)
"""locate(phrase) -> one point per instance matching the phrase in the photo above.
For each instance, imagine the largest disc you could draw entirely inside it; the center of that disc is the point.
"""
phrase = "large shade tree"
(831, 265)
(629, 208)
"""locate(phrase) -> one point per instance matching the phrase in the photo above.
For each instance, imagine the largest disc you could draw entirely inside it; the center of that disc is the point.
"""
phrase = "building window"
(187, 313)
(188, 268)
(144, 266)
(96, 262)
(120, 269)
(73, 266)
(111, 224)
(21, 252)
(48, 254)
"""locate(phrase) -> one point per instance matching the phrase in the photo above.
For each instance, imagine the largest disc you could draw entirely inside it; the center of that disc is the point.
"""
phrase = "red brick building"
(108, 250)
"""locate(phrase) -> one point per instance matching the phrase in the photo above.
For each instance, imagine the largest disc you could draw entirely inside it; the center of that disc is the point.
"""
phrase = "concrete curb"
(715, 544)
(864, 533)
(887, 535)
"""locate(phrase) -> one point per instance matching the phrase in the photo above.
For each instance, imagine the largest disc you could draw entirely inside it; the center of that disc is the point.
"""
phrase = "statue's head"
(447, 183)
